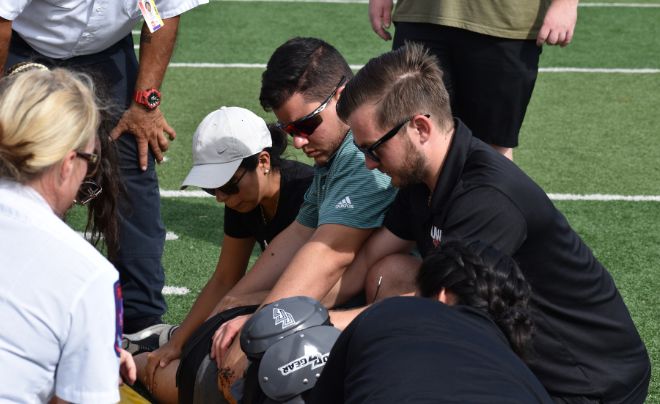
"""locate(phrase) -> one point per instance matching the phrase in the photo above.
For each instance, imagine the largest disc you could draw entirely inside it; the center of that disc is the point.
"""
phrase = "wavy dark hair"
(485, 279)
(102, 222)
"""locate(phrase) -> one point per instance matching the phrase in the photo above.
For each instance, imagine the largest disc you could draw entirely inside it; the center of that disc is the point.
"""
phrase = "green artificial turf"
(584, 133)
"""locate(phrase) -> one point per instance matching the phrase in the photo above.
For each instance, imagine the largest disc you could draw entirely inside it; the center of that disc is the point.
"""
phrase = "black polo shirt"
(586, 342)
(413, 350)
(295, 178)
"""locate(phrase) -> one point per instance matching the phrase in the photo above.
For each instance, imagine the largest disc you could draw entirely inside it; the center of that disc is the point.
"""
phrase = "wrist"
(149, 98)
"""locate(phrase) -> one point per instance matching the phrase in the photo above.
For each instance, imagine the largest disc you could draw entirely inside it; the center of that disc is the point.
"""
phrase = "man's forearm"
(5, 37)
(319, 265)
(155, 52)
(272, 262)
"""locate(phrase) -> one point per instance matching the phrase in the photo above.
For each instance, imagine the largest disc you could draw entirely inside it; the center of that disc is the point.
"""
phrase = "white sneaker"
(149, 339)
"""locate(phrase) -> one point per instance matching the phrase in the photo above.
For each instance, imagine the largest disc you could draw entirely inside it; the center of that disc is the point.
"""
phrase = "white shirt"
(62, 29)
(58, 310)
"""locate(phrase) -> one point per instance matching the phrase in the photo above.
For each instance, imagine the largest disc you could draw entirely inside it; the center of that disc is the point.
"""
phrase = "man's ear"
(423, 126)
(339, 91)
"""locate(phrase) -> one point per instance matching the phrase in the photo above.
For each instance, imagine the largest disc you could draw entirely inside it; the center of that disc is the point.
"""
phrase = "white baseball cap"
(223, 139)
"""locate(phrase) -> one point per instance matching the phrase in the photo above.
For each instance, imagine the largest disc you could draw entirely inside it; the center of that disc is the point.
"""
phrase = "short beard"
(413, 168)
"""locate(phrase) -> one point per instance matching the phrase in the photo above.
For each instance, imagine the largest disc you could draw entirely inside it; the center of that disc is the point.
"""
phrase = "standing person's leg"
(494, 81)
(141, 229)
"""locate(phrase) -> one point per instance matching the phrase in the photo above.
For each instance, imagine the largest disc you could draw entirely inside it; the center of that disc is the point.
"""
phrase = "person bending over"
(346, 202)
(454, 186)
(60, 295)
(464, 342)
(262, 193)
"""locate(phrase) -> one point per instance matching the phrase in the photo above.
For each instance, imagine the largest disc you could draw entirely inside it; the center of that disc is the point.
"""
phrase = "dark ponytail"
(485, 279)
(279, 140)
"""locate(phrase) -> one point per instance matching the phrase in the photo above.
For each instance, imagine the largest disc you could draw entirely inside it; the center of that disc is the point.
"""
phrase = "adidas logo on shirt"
(344, 204)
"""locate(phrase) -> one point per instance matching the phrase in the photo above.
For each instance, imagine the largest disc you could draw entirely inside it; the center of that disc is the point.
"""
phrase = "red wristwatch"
(149, 98)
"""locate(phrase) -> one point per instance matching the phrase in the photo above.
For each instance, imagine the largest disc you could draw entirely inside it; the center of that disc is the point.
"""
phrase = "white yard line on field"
(176, 290)
(553, 196)
(169, 236)
(604, 197)
(358, 67)
(623, 5)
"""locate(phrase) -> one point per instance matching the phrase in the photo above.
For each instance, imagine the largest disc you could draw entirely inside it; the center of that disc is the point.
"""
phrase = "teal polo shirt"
(345, 192)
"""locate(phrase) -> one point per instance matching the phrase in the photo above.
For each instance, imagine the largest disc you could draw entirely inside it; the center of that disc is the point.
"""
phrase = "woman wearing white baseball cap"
(237, 158)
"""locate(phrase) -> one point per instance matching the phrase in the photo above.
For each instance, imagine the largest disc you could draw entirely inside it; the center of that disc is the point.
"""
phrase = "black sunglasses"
(230, 188)
(306, 125)
(370, 151)
(92, 162)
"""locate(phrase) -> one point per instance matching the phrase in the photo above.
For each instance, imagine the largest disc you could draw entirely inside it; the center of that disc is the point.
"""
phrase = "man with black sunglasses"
(454, 186)
(344, 205)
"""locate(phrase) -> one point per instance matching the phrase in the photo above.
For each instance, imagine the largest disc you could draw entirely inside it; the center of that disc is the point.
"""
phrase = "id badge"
(150, 15)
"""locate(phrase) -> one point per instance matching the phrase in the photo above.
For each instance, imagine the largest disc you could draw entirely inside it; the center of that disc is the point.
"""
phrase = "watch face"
(153, 99)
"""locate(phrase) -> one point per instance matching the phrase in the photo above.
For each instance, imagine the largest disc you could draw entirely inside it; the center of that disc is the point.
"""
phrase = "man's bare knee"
(393, 275)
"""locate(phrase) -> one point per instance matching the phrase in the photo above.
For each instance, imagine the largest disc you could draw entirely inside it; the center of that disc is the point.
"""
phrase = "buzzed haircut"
(309, 66)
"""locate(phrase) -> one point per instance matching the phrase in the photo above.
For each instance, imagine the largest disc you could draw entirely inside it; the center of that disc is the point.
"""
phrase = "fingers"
(554, 37)
(171, 133)
(568, 39)
(151, 131)
(142, 145)
(163, 143)
(127, 367)
(118, 130)
(150, 370)
(380, 16)
(542, 36)
(219, 345)
(222, 339)
(154, 144)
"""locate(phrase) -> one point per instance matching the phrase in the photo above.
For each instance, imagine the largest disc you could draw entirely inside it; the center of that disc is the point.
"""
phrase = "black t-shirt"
(586, 341)
(414, 350)
(295, 178)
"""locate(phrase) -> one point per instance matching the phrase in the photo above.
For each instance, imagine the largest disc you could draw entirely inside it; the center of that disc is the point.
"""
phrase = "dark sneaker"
(149, 339)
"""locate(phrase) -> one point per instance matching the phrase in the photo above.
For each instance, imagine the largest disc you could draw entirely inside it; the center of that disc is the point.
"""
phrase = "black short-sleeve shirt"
(295, 178)
(586, 341)
(414, 350)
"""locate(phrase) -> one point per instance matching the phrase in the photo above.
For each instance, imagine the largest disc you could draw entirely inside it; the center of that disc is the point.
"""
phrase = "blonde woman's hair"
(44, 114)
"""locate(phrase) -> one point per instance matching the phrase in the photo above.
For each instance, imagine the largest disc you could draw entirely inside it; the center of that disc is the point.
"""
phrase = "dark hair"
(485, 279)
(102, 211)
(402, 83)
(309, 66)
(279, 139)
